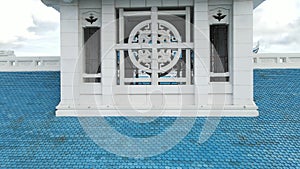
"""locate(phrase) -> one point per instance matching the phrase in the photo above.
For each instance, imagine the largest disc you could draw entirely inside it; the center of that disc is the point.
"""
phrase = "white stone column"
(242, 52)
(70, 57)
(201, 52)
(108, 55)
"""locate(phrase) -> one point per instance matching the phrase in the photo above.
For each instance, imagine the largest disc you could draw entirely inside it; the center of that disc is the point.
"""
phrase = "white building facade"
(156, 57)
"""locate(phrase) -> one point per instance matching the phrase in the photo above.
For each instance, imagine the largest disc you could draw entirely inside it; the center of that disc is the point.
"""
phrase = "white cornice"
(55, 3)
(52, 3)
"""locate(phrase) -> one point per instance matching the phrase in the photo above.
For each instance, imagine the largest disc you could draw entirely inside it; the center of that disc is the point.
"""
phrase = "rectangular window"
(219, 51)
(92, 53)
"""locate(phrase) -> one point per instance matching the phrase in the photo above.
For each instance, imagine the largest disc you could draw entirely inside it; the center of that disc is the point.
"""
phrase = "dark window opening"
(219, 51)
(92, 43)
(92, 50)
(92, 80)
(219, 48)
(219, 79)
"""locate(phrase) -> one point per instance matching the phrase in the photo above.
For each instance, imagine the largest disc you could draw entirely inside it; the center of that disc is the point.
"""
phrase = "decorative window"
(155, 47)
(92, 47)
(219, 55)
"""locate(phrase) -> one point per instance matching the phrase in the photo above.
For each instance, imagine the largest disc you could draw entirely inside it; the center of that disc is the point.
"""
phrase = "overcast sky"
(31, 29)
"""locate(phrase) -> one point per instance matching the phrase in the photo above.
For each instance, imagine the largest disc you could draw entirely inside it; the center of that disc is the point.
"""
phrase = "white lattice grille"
(154, 52)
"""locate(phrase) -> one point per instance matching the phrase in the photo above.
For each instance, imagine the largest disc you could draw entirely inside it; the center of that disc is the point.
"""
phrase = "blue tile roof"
(32, 137)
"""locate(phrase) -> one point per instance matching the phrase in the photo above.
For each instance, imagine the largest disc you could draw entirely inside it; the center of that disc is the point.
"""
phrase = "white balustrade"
(276, 60)
(32, 63)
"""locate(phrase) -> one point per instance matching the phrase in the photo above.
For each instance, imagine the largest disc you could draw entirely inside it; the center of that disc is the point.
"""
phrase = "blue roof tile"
(32, 137)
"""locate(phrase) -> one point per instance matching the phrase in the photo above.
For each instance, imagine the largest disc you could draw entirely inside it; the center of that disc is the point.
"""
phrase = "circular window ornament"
(150, 49)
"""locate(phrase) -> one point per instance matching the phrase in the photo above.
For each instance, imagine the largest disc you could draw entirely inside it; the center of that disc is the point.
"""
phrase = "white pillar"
(108, 55)
(70, 57)
(242, 52)
(201, 52)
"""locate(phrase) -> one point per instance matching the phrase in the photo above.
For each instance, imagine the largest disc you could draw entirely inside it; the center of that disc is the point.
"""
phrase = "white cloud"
(31, 28)
(27, 24)
(277, 26)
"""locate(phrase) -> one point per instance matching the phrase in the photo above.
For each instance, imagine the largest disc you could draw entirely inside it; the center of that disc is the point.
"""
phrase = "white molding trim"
(187, 111)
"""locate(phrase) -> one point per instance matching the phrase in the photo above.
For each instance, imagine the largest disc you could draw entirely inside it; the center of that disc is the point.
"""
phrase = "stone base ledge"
(187, 111)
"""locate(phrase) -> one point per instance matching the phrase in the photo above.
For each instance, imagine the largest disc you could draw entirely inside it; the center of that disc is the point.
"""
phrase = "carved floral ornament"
(158, 50)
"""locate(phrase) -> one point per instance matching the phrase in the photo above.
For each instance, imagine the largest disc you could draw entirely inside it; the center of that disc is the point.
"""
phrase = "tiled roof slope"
(32, 137)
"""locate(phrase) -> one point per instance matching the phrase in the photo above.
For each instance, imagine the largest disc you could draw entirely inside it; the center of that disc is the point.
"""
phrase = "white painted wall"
(236, 96)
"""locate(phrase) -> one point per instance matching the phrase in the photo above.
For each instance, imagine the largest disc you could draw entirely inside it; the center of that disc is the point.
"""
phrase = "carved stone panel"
(219, 16)
(91, 18)
(143, 56)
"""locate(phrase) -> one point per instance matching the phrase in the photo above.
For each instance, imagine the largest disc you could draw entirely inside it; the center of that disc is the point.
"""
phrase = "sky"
(31, 29)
